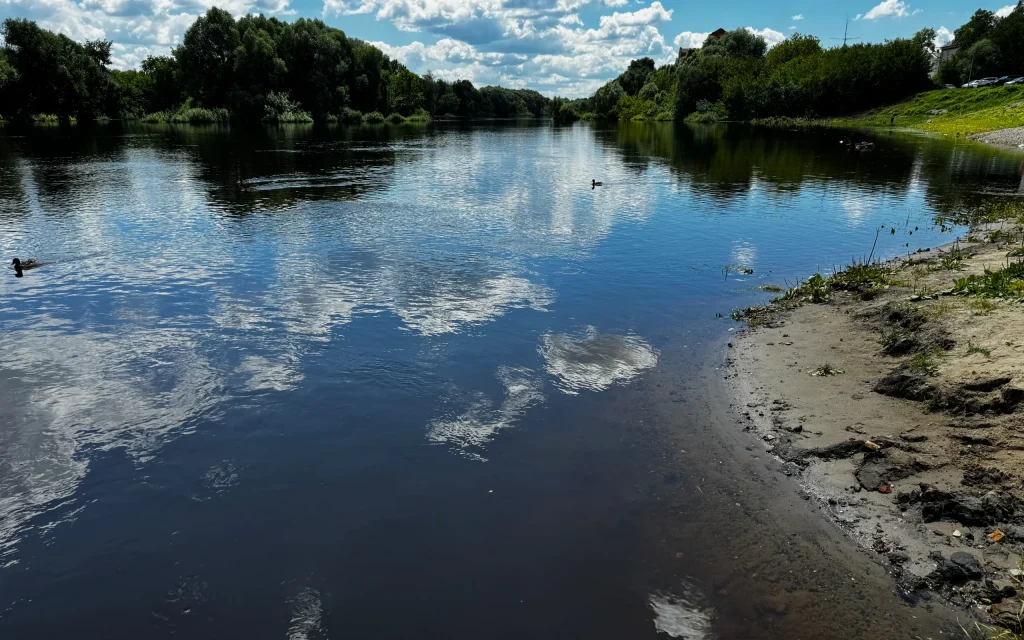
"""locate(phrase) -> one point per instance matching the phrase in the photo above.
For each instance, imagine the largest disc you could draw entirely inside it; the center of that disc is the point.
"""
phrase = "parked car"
(1015, 81)
(949, 86)
(1001, 81)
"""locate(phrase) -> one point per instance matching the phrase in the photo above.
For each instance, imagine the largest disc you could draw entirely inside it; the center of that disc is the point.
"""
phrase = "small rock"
(956, 533)
(913, 437)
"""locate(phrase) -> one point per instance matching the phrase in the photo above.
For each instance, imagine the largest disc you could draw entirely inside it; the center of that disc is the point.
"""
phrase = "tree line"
(251, 69)
(736, 76)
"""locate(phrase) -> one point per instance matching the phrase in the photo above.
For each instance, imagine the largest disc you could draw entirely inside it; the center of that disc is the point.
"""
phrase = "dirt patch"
(915, 448)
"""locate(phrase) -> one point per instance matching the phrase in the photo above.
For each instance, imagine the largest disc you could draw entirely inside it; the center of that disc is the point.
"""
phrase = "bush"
(351, 116)
(396, 118)
(189, 115)
(374, 117)
(420, 115)
(280, 108)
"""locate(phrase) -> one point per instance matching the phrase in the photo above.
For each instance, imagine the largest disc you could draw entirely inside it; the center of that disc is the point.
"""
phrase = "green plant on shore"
(973, 348)
(374, 117)
(1007, 282)
(925, 363)
(981, 306)
(771, 288)
(953, 260)
(891, 339)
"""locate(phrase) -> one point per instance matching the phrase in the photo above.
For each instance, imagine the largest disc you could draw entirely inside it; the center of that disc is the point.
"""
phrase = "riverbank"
(954, 112)
(895, 395)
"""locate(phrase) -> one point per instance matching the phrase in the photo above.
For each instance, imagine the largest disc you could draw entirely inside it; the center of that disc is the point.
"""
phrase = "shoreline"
(916, 464)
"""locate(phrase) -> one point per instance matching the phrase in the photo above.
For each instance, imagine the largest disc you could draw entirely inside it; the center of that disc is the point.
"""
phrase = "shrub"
(420, 115)
(189, 115)
(396, 118)
(351, 116)
(374, 117)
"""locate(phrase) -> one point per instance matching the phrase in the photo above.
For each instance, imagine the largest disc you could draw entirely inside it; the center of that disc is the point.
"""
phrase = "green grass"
(967, 111)
(1007, 282)
(973, 348)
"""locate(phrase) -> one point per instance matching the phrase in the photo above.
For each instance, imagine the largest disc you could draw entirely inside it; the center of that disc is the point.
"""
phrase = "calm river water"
(409, 382)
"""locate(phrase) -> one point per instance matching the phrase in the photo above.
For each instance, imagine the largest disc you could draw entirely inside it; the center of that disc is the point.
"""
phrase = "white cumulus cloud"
(1005, 11)
(886, 8)
(691, 39)
(771, 36)
(943, 36)
(798, 16)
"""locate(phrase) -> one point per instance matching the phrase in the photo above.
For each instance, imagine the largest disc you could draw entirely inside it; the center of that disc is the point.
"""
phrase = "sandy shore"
(901, 412)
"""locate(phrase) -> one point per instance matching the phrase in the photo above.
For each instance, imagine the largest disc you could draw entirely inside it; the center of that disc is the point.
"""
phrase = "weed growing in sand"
(1007, 282)
(973, 348)
(1000, 237)
(940, 309)
(924, 363)
(1016, 253)
(892, 340)
(826, 370)
(987, 632)
(981, 306)
(953, 260)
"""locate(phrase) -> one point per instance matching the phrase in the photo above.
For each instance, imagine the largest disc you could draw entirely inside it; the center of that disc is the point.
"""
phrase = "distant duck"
(864, 146)
(595, 183)
(20, 266)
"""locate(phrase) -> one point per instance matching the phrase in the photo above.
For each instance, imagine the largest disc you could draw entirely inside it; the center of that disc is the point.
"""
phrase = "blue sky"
(563, 47)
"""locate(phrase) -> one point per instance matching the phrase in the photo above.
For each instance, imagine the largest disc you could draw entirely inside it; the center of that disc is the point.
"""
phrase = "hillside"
(956, 111)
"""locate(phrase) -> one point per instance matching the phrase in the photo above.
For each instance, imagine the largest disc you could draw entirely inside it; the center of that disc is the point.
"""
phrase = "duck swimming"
(595, 183)
(20, 266)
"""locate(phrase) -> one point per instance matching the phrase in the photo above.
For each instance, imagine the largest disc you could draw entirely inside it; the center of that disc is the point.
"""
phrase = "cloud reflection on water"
(595, 361)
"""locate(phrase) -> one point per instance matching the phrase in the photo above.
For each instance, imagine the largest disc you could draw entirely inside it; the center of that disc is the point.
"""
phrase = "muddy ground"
(900, 409)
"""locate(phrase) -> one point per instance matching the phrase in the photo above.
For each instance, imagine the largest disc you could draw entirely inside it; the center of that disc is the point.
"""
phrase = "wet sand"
(919, 464)
(769, 563)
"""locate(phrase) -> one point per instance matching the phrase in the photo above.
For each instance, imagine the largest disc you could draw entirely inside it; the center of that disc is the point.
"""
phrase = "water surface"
(406, 382)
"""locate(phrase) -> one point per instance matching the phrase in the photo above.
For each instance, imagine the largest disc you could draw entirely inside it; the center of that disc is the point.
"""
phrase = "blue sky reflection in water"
(397, 386)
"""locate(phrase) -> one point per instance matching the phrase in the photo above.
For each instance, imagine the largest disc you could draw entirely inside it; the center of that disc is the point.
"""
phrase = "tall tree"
(206, 57)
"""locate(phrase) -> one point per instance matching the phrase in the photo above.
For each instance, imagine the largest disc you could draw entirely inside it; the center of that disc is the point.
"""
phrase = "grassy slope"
(969, 111)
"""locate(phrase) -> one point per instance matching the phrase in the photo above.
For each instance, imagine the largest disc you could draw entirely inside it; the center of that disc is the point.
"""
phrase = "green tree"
(636, 75)
(607, 99)
(54, 74)
(165, 91)
(978, 27)
(405, 93)
(206, 57)
(739, 43)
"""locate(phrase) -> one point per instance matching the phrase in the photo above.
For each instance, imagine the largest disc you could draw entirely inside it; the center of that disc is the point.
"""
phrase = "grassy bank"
(955, 111)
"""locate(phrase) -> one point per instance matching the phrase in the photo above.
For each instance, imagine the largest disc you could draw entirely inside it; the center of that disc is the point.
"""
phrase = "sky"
(558, 47)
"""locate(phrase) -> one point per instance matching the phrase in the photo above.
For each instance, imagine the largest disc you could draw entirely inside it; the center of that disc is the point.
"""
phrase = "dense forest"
(251, 69)
(258, 69)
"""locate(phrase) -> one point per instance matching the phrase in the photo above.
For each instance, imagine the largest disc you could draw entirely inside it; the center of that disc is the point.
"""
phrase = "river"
(393, 382)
